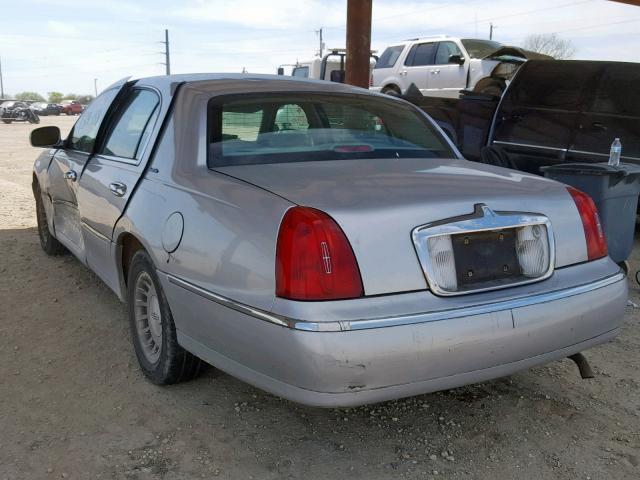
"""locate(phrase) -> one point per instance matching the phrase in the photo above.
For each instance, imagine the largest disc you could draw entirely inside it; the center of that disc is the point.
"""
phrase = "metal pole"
(321, 44)
(1, 84)
(95, 86)
(490, 31)
(358, 42)
(166, 52)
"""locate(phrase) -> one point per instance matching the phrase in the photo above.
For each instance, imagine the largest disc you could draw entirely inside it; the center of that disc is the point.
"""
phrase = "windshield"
(273, 128)
(480, 48)
(7, 104)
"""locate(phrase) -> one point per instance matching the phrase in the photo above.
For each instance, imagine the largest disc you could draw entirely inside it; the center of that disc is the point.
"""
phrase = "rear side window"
(618, 90)
(302, 72)
(275, 128)
(132, 128)
(83, 135)
(389, 57)
(421, 54)
(552, 84)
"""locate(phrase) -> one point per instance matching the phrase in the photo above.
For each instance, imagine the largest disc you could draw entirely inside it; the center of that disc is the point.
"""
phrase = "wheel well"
(35, 184)
(130, 245)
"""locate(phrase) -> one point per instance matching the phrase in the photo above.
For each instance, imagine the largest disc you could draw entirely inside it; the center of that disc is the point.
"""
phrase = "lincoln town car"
(318, 241)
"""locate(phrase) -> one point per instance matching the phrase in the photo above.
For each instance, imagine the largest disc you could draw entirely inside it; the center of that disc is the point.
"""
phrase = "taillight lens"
(593, 233)
(314, 260)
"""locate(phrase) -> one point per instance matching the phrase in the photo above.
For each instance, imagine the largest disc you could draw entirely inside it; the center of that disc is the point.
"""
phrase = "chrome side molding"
(395, 321)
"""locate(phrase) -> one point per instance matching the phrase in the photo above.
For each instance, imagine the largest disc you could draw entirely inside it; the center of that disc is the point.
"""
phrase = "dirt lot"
(73, 403)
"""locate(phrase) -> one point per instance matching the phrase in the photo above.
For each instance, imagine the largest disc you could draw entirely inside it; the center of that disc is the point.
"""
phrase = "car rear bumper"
(388, 360)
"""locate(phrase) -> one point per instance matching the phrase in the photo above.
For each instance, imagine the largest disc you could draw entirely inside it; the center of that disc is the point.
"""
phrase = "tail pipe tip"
(583, 365)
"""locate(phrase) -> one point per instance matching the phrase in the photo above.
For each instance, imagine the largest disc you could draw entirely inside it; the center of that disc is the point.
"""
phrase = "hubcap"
(148, 317)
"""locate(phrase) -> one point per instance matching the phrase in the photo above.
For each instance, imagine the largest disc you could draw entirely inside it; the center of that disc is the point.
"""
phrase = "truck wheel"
(153, 332)
(392, 91)
(48, 242)
(490, 86)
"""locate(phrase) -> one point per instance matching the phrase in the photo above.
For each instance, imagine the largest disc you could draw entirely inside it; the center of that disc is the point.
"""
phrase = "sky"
(64, 45)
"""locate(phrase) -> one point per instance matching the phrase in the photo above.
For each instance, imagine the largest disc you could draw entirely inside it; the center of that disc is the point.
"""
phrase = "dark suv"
(569, 111)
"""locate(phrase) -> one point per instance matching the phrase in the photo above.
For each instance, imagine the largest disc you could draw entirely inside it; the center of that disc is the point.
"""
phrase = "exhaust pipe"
(583, 365)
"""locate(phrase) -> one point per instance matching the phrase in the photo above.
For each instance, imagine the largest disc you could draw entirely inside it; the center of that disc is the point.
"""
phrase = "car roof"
(245, 83)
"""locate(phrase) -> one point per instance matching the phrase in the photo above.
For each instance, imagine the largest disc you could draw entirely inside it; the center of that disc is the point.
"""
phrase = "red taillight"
(314, 260)
(593, 233)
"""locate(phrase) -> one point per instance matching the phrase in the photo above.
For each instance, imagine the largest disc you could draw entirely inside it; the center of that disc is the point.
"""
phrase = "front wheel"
(48, 242)
(153, 332)
(490, 86)
(4, 120)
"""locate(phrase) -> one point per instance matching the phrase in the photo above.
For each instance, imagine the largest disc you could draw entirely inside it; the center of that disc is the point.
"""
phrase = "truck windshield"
(480, 48)
(278, 128)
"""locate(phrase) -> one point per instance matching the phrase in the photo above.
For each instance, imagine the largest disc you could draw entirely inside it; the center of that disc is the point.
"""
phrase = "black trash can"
(614, 190)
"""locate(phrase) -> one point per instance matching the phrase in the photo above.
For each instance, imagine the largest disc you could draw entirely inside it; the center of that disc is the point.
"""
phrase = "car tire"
(392, 91)
(48, 242)
(490, 86)
(153, 331)
(6, 121)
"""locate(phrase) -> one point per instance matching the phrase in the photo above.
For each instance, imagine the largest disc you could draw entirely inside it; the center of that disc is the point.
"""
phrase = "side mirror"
(337, 76)
(280, 70)
(45, 137)
(457, 59)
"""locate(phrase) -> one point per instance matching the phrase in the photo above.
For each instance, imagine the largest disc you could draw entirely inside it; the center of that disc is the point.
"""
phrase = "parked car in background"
(17, 111)
(44, 109)
(552, 112)
(319, 241)
(71, 107)
(442, 66)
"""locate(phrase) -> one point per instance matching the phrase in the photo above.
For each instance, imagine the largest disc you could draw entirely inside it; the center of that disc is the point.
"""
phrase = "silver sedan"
(318, 241)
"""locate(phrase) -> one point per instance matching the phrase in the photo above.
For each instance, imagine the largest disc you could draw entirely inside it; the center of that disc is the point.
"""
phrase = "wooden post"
(358, 42)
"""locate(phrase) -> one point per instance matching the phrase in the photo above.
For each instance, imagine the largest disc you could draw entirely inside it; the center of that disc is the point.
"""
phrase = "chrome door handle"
(403, 72)
(435, 72)
(71, 175)
(118, 189)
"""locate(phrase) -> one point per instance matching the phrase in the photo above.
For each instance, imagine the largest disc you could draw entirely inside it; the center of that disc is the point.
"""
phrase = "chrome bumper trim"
(416, 318)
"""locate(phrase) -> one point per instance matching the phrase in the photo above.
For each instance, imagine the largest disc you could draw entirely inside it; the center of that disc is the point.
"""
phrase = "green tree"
(29, 96)
(55, 97)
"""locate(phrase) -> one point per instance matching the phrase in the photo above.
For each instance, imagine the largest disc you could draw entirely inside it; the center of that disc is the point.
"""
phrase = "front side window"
(131, 130)
(421, 54)
(445, 50)
(276, 128)
(83, 135)
(389, 57)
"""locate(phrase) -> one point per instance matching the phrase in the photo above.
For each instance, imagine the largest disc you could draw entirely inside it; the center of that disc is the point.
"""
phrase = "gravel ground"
(73, 403)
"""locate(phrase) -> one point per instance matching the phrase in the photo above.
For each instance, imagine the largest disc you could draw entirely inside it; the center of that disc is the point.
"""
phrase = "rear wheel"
(153, 331)
(392, 91)
(48, 242)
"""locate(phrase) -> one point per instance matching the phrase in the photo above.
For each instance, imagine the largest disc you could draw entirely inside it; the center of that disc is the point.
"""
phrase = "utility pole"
(95, 86)
(1, 84)
(321, 49)
(167, 62)
(491, 27)
(358, 42)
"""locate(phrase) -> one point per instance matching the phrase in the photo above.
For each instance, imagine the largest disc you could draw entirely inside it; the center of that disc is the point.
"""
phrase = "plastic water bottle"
(614, 154)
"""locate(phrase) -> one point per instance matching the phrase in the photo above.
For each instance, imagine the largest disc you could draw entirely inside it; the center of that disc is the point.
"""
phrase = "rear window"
(276, 128)
(302, 72)
(551, 84)
(389, 57)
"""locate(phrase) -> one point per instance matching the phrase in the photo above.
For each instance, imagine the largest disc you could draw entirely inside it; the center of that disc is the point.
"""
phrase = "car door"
(611, 111)
(416, 66)
(446, 79)
(66, 170)
(112, 174)
(539, 112)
